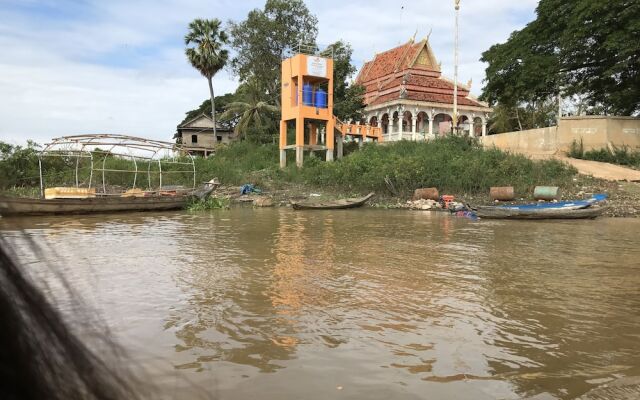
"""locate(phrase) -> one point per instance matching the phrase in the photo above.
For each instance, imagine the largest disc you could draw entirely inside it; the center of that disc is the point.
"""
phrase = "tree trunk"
(518, 118)
(213, 110)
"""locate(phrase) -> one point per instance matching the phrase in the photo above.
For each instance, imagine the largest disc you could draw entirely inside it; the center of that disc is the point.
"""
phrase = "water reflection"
(387, 304)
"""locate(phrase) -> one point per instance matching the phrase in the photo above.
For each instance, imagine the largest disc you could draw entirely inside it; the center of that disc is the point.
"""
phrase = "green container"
(546, 193)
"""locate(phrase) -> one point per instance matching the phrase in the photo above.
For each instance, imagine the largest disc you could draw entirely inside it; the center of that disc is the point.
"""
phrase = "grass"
(210, 203)
(452, 164)
(617, 155)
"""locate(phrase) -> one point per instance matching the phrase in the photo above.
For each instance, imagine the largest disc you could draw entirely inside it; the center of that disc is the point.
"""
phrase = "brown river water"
(354, 304)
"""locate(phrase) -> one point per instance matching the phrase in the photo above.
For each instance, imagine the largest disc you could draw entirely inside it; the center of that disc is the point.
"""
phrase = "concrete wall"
(596, 132)
(205, 139)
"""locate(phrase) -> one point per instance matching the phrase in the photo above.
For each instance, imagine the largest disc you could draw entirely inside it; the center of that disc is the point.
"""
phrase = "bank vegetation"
(452, 164)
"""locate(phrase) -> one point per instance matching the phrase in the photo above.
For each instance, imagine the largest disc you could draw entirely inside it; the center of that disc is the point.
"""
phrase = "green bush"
(452, 164)
(617, 155)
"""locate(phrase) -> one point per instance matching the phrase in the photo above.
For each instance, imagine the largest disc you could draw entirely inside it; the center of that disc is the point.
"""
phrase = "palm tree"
(254, 111)
(205, 53)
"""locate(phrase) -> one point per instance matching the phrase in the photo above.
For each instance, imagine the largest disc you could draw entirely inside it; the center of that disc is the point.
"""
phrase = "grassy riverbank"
(458, 166)
(452, 164)
(455, 165)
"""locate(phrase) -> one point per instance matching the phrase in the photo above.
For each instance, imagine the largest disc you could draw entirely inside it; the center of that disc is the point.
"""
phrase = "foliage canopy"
(586, 48)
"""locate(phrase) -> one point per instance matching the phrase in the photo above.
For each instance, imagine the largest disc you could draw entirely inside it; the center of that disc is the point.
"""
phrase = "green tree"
(348, 100)
(205, 41)
(253, 113)
(205, 108)
(265, 38)
(587, 48)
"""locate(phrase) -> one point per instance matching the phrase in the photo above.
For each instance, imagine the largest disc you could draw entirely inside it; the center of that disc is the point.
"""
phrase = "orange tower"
(307, 98)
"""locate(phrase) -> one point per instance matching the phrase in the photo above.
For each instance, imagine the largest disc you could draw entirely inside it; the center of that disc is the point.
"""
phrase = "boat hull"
(24, 206)
(549, 213)
(333, 205)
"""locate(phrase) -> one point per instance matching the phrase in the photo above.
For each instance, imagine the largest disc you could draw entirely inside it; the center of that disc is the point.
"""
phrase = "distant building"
(408, 98)
(196, 135)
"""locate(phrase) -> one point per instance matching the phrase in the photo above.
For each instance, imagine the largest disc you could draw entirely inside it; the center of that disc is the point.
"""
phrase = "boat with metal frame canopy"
(90, 157)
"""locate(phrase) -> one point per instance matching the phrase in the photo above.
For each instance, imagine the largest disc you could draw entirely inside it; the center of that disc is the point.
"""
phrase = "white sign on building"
(317, 66)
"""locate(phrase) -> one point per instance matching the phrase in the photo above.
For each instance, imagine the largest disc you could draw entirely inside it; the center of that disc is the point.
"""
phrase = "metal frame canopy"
(99, 147)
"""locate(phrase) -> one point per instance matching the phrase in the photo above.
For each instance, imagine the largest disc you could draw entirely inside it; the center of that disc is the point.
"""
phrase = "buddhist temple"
(407, 96)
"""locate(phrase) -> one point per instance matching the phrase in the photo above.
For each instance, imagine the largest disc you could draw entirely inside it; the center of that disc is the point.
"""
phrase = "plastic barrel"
(307, 94)
(426, 193)
(321, 98)
(546, 193)
(502, 193)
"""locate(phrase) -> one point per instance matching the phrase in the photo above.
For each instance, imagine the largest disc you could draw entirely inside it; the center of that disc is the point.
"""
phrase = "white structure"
(409, 99)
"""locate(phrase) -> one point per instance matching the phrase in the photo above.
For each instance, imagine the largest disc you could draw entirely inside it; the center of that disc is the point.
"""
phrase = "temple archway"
(442, 124)
(477, 126)
(422, 125)
(407, 117)
(384, 123)
(395, 120)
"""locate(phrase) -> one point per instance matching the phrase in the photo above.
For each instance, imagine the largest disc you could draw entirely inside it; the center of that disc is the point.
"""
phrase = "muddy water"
(273, 303)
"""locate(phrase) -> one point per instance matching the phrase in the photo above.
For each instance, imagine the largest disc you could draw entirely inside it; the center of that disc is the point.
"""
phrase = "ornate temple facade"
(407, 96)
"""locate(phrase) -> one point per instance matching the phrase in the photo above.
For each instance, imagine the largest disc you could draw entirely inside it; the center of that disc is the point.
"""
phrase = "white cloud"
(73, 75)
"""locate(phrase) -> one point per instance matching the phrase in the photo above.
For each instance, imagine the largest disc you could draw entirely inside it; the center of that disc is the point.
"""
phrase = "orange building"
(407, 96)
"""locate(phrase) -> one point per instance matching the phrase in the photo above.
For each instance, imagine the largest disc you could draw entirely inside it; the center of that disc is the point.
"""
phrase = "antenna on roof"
(401, 12)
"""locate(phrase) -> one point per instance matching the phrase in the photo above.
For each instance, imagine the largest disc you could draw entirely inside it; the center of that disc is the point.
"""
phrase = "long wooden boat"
(542, 213)
(94, 155)
(15, 206)
(353, 202)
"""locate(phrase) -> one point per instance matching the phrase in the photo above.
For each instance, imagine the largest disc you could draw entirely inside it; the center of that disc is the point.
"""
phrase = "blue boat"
(573, 209)
(564, 205)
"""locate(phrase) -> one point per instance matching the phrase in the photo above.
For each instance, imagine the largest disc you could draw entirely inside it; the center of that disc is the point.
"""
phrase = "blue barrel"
(307, 94)
(321, 98)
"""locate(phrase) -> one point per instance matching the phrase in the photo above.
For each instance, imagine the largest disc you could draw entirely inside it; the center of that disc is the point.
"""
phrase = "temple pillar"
(414, 122)
(484, 128)
(430, 126)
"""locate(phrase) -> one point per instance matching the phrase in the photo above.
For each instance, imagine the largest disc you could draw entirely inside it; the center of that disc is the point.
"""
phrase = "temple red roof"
(409, 71)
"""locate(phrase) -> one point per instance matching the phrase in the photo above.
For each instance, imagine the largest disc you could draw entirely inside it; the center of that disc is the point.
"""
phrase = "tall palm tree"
(205, 52)
(252, 111)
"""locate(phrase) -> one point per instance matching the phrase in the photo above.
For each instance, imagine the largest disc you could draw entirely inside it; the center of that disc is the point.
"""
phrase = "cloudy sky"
(117, 66)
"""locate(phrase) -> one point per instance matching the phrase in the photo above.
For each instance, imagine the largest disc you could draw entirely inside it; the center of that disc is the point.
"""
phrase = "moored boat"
(571, 209)
(564, 205)
(90, 196)
(543, 213)
(353, 202)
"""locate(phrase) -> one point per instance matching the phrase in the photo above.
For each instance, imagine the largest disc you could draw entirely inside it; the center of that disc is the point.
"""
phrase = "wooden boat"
(14, 206)
(87, 195)
(542, 213)
(353, 202)
(562, 205)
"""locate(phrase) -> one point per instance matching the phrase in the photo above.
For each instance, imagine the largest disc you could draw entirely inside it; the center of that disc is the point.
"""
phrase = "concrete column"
(430, 126)
(283, 158)
(400, 117)
(299, 156)
(484, 128)
(339, 149)
(414, 123)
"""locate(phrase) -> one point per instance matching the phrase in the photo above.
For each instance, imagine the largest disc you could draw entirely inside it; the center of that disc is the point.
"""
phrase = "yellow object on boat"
(69, 193)
(136, 192)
